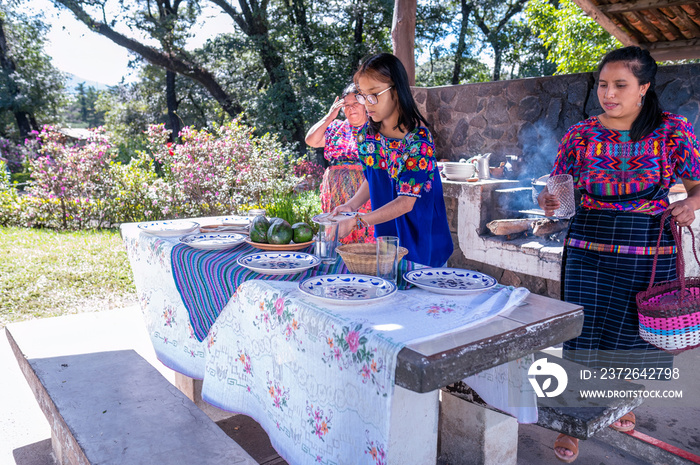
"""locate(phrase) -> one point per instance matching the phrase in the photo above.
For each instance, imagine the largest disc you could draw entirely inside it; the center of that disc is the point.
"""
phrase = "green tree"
(576, 42)
(30, 87)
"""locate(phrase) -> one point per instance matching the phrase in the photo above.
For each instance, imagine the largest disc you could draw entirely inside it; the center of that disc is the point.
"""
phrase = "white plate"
(325, 217)
(456, 177)
(347, 288)
(450, 280)
(213, 241)
(169, 228)
(278, 263)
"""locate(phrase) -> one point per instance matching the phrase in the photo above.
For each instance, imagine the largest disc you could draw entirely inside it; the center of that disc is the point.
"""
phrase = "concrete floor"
(25, 434)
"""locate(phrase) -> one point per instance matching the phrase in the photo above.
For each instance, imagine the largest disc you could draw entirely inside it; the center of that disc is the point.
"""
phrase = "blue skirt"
(606, 285)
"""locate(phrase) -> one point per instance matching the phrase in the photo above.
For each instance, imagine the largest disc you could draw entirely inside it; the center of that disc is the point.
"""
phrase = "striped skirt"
(339, 184)
(606, 283)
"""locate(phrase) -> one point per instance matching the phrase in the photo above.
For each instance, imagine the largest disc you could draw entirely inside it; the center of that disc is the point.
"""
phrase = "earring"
(639, 104)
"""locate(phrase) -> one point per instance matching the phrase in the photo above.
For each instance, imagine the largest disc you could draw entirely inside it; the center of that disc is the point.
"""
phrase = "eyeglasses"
(370, 98)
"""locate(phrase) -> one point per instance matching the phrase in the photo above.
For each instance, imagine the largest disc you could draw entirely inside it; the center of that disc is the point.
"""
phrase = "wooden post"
(403, 34)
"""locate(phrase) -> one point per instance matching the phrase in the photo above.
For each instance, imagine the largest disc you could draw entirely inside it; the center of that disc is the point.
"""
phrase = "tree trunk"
(23, 118)
(403, 35)
(253, 22)
(171, 100)
(180, 65)
(358, 35)
(461, 43)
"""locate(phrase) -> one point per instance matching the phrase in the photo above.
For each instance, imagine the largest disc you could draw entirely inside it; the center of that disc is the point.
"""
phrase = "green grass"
(47, 273)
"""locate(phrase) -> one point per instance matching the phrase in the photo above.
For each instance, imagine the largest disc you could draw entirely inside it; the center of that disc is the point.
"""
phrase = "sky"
(91, 56)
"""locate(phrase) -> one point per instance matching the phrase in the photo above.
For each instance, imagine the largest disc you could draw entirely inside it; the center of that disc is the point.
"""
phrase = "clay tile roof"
(669, 29)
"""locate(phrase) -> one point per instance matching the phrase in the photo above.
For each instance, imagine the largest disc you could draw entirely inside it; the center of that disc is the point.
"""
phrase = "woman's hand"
(548, 202)
(335, 108)
(683, 212)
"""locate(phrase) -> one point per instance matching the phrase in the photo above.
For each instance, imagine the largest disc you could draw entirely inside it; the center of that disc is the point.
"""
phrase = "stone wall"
(528, 117)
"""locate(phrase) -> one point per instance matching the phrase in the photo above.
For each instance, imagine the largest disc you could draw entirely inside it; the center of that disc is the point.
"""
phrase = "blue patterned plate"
(450, 280)
(347, 288)
(169, 228)
(279, 262)
(213, 241)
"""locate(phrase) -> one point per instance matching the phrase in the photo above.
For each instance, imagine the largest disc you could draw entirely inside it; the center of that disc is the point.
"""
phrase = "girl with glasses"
(402, 181)
(343, 177)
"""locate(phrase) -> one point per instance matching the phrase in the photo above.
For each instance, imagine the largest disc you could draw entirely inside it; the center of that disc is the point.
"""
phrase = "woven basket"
(362, 258)
(669, 312)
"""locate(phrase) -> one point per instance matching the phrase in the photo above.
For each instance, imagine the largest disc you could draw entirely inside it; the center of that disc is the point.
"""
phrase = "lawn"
(46, 273)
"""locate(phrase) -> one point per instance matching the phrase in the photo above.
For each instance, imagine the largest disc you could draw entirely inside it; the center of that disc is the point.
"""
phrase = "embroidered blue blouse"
(407, 166)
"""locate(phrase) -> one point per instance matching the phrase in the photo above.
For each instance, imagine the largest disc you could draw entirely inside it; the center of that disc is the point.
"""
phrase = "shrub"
(73, 182)
(217, 173)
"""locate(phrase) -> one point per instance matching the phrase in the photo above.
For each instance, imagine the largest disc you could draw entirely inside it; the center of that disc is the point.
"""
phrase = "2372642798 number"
(638, 373)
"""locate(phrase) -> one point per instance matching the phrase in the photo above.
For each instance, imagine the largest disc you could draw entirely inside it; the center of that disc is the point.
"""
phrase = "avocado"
(302, 233)
(280, 232)
(258, 229)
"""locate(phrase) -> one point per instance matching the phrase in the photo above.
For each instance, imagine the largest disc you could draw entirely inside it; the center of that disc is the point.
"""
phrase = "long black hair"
(643, 66)
(385, 67)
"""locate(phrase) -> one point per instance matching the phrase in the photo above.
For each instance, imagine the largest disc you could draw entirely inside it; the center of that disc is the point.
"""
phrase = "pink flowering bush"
(73, 181)
(310, 172)
(219, 172)
(215, 173)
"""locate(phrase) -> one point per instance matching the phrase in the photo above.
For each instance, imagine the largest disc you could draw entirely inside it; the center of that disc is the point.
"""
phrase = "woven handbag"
(669, 312)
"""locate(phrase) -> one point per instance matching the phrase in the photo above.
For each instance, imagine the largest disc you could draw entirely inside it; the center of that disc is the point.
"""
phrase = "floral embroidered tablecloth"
(320, 377)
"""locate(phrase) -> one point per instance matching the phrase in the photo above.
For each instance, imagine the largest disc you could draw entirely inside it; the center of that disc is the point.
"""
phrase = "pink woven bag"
(669, 312)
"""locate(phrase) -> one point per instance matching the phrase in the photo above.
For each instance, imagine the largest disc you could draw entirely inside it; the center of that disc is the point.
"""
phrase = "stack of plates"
(459, 171)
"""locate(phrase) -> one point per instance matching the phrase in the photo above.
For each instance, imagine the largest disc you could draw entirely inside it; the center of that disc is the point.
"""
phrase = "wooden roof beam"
(636, 5)
(606, 23)
(675, 50)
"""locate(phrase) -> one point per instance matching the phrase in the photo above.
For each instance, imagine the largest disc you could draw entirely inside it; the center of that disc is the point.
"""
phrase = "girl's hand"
(683, 212)
(548, 202)
(345, 227)
(342, 209)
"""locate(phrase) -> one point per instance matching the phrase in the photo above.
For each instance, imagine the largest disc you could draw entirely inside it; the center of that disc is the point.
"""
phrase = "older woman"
(339, 140)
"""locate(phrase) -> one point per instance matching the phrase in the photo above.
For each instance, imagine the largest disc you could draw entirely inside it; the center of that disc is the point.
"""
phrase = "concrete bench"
(493, 430)
(115, 408)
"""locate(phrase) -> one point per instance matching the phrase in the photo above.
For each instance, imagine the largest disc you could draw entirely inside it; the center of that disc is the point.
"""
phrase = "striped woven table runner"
(206, 280)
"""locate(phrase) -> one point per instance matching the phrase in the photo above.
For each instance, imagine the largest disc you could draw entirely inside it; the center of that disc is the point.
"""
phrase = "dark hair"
(385, 67)
(643, 66)
(349, 89)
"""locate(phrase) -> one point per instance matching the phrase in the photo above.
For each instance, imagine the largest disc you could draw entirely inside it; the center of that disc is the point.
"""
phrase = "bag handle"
(680, 260)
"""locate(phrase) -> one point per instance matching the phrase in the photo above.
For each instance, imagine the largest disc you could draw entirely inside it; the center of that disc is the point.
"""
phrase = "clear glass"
(562, 185)
(388, 257)
(327, 241)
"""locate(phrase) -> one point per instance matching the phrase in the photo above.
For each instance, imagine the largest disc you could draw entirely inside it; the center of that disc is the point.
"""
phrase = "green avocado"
(302, 233)
(258, 229)
(280, 232)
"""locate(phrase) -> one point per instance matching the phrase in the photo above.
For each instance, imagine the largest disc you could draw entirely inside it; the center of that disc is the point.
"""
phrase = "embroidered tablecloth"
(319, 377)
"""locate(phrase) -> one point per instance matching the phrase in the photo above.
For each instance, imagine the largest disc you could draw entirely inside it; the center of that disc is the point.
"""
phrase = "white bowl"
(465, 170)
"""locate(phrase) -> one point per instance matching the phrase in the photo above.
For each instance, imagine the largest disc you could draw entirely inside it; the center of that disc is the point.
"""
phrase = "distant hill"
(73, 81)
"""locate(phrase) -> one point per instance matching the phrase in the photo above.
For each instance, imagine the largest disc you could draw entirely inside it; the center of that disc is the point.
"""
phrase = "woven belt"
(349, 166)
(626, 249)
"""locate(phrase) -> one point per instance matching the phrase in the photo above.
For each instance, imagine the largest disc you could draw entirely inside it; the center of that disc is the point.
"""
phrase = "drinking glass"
(327, 241)
(562, 185)
(388, 257)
